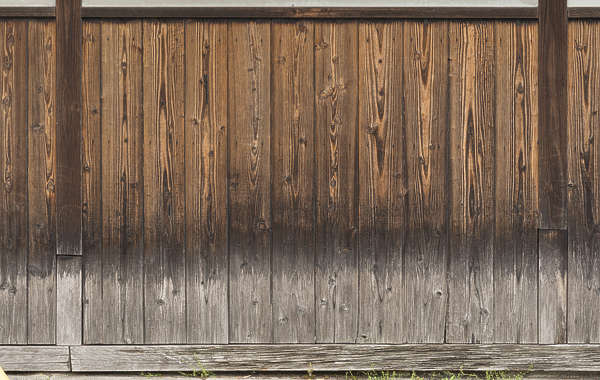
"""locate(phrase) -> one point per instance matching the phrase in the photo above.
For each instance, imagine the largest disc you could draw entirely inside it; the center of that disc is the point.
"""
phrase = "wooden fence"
(277, 180)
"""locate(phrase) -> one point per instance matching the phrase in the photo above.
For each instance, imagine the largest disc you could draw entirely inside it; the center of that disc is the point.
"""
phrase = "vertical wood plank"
(553, 248)
(584, 183)
(206, 181)
(68, 126)
(293, 197)
(470, 278)
(121, 136)
(41, 183)
(92, 185)
(13, 182)
(68, 300)
(426, 96)
(163, 173)
(553, 73)
(383, 192)
(336, 91)
(250, 234)
(515, 247)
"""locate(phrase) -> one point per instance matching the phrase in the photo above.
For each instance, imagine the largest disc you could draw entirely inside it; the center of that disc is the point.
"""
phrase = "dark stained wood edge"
(337, 357)
(35, 358)
(314, 12)
(69, 65)
(27, 12)
(553, 111)
(584, 12)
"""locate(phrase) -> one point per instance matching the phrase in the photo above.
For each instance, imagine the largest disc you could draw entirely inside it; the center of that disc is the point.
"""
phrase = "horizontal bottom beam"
(303, 357)
(315, 12)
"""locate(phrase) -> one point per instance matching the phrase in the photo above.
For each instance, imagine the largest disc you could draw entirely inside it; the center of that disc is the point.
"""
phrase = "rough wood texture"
(164, 179)
(515, 246)
(93, 323)
(41, 184)
(382, 183)
(121, 178)
(472, 131)
(553, 72)
(13, 182)
(426, 108)
(336, 93)
(35, 358)
(552, 286)
(250, 226)
(206, 182)
(68, 300)
(68, 127)
(293, 137)
(336, 357)
(584, 183)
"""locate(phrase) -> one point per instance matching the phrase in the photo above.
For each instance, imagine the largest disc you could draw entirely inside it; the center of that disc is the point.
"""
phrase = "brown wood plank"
(552, 157)
(426, 108)
(250, 234)
(206, 182)
(35, 358)
(68, 127)
(382, 183)
(41, 184)
(515, 246)
(28, 12)
(336, 91)
(164, 178)
(293, 197)
(92, 186)
(552, 301)
(584, 183)
(68, 300)
(121, 169)
(584, 12)
(470, 277)
(315, 12)
(13, 182)
(338, 357)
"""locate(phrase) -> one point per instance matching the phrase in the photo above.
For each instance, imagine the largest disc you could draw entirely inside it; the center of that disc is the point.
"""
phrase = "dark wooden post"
(68, 171)
(553, 71)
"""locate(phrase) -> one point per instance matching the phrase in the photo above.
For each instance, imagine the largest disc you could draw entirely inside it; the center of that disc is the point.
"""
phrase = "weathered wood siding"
(300, 182)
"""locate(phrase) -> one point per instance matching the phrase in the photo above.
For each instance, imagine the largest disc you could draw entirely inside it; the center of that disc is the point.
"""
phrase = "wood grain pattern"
(206, 182)
(336, 92)
(35, 358)
(553, 73)
(68, 300)
(41, 183)
(250, 230)
(164, 179)
(121, 138)
(552, 301)
(426, 107)
(68, 127)
(91, 145)
(13, 182)
(472, 124)
(382, 183)
(339, 357)
(515, 246)
(293, 137)
(584, 183)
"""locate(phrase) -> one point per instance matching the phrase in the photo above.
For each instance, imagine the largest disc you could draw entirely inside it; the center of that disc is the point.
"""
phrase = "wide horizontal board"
(336, 357)
(325, 12)
(34, 358)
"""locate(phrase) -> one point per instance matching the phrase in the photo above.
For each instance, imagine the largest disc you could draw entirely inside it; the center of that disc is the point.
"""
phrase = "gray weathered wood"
(34, 358)
(68, 300)
(552, 298)
(336, 357)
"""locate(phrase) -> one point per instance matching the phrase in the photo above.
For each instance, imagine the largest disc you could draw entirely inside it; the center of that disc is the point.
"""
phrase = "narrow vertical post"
(553, 103)
(68, 172)
(68, 126)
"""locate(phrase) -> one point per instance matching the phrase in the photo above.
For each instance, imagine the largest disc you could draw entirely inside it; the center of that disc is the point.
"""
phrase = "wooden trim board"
(27, 12)
(35, 358)
(584, 12)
